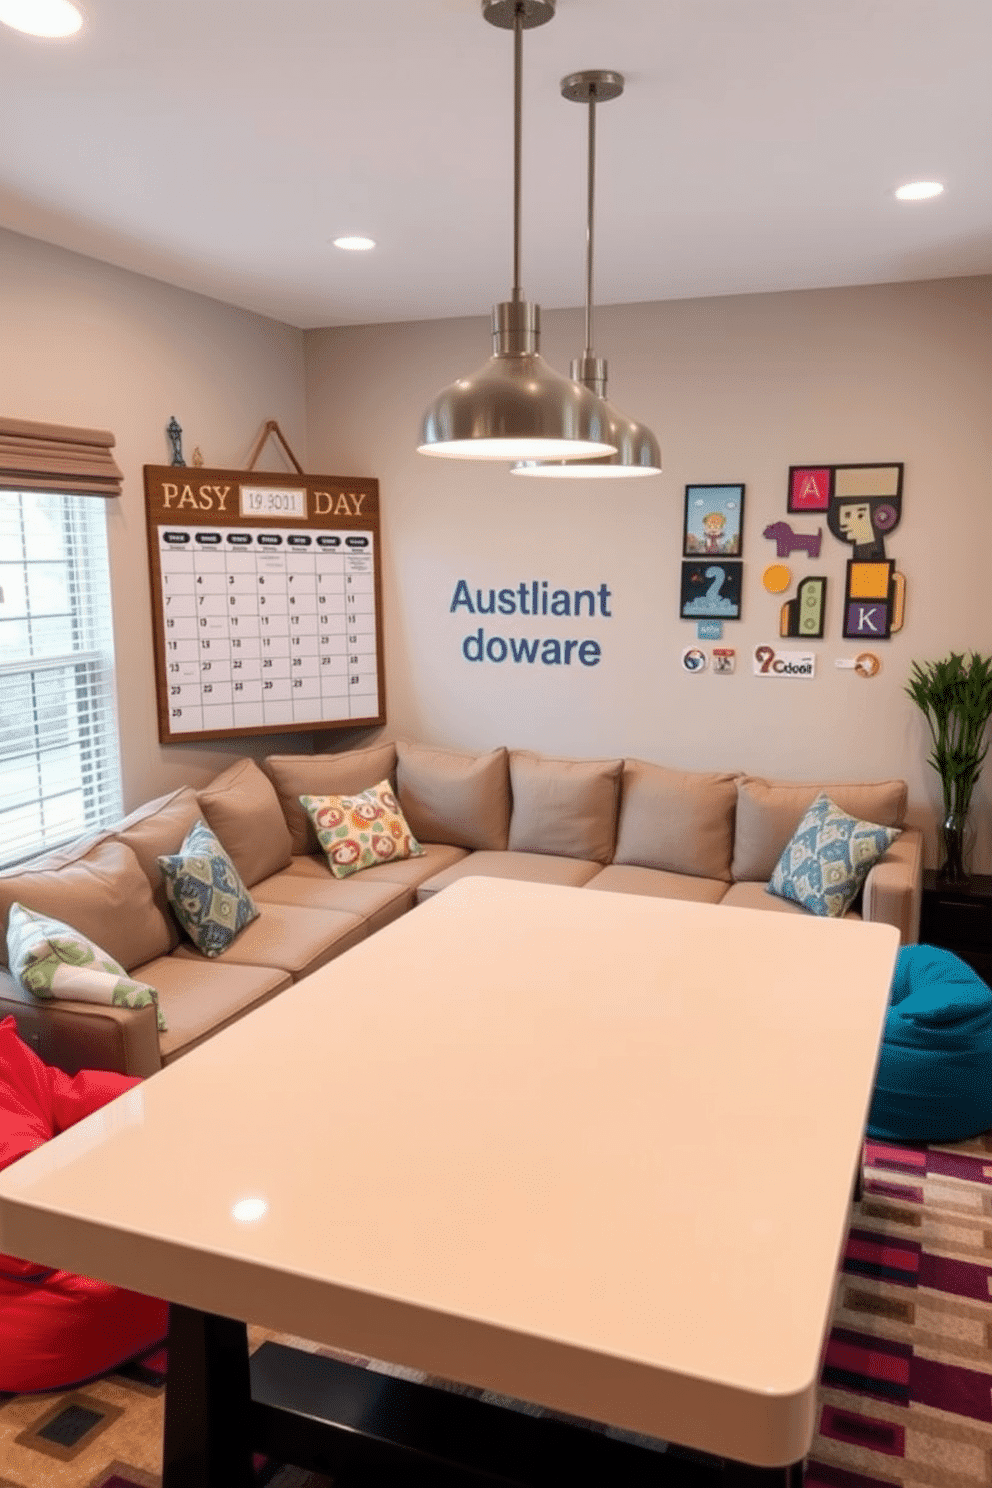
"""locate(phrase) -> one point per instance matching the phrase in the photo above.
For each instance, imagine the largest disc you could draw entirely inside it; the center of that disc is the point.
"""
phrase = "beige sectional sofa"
(621, 826)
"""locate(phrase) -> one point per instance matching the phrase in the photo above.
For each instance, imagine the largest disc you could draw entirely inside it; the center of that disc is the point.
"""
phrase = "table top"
(593, 1150)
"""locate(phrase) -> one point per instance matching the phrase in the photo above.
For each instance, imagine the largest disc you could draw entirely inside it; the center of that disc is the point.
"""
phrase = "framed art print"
(711, 591)
(714, 521)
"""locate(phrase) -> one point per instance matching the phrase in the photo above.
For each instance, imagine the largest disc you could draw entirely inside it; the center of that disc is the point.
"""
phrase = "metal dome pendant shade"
(636, 449)
(516, 407)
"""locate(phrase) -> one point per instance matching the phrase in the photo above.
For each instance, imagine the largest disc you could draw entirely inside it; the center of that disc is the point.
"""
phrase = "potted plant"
(955, 696)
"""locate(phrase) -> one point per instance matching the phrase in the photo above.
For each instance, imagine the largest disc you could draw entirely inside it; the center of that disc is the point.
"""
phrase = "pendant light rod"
(516, 293)
(590, 216)
(520, 16)
(591, 88)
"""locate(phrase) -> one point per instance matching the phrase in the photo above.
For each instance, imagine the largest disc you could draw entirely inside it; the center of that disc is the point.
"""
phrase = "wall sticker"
(694, 659)
(770, 662)
(534, 598)
(776, 578)
(866, 664)
(788, 542)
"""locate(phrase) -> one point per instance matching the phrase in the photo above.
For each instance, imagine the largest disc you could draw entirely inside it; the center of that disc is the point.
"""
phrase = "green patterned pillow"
(205, 890)
(828, 859)
(361, 831)
(50, 959)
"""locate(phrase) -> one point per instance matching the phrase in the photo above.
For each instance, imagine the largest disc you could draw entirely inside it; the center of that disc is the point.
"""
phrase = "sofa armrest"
(83, 1035)
(894, 888)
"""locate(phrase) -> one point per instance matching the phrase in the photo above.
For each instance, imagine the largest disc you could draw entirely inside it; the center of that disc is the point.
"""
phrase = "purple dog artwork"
(786, 541)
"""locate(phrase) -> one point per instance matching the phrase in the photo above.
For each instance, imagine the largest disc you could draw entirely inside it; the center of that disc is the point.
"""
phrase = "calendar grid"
(268, 625)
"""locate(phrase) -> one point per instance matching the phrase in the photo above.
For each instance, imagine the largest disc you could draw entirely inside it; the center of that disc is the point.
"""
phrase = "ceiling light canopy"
(919, 191)
(355, 243)
(516, 407)
(636, 450)
(49, 18)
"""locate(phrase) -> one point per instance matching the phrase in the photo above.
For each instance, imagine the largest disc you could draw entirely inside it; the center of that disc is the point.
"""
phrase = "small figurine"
(197, 456)
(175, 433)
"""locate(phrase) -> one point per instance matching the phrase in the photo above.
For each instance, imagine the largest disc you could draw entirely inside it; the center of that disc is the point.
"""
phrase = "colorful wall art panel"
(711, 590)
(714, 518)
(862, 505)
(805, 615)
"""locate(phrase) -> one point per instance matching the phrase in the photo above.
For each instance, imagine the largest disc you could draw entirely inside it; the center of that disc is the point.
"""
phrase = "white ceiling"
(221, 144)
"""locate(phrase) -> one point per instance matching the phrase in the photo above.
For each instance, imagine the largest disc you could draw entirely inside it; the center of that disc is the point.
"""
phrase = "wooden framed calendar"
(266, 601)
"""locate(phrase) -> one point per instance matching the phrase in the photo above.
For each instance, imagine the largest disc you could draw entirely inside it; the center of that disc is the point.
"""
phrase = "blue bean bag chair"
(934, 1080)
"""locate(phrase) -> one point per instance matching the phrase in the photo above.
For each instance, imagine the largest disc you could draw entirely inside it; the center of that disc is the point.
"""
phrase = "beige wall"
(84, 343)
(737, 389)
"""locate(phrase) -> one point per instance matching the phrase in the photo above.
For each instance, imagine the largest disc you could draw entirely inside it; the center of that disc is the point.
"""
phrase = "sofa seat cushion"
(449, 796)
(656, 883)
(345, 774)
(241, 806)
(681, 821)
(289, 938)
(756, 896)
(436, 857)
(526, 867)
(201, 997)
(103, 894)
(376, 903)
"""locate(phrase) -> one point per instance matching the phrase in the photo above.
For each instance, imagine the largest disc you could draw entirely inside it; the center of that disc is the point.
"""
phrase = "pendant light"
(637, 451)
(516, 407)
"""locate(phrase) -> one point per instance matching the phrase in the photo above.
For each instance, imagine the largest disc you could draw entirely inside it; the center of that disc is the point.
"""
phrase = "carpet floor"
(905, 1395)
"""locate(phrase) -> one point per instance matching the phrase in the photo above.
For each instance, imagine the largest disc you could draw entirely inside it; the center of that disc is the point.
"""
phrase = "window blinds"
(59, 752)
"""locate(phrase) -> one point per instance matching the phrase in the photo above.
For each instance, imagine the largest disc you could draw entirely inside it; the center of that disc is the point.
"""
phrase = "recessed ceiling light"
(918, 191)
(41, 17)
(355, 244)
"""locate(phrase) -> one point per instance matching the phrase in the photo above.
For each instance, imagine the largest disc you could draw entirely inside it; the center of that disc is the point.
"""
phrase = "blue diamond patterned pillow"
(829, 858)
(205, 890)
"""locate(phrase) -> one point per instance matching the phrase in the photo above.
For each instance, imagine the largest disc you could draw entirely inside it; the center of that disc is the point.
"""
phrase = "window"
(59, 754)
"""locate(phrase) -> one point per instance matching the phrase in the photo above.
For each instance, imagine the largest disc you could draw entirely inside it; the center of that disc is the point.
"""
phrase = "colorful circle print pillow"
(361, 831)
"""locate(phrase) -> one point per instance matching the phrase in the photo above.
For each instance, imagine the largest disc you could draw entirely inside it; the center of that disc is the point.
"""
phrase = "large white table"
(591, 1150)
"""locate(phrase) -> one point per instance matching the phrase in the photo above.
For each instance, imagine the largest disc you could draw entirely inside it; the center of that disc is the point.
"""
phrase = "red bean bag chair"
(57, 1329)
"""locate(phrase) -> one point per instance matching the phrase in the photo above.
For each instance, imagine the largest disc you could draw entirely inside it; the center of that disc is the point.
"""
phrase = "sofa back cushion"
(769, 811)
(295, 775)
(448, 796)
(681, 821)
(159, 827)
(243, 811)
(103, 893)
(564, 807)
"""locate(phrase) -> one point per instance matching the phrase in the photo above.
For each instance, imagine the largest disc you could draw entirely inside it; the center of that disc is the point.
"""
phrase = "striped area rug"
(906, 1389)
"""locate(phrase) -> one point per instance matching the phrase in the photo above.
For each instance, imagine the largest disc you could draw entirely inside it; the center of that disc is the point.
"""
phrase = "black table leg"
(739, 1475)
(207, 1403)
